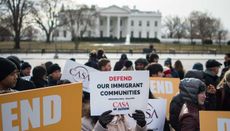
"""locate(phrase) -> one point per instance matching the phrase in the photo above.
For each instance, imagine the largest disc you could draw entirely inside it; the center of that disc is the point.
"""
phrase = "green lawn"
(136, 47)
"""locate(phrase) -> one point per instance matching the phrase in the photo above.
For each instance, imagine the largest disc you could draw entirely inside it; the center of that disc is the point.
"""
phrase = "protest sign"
(165, 88)
(120, 91)
(214, 121)
(155, 115)
(75, 72)
(44, 109)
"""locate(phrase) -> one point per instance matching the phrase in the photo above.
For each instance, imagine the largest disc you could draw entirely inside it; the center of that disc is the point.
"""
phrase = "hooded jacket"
(189, 115)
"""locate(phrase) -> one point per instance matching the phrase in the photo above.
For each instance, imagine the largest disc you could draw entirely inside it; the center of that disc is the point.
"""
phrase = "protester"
(8, 75)
(106, 121)
(104, 65)
(93, 61)
(155, 70)
(153, 58)
(21, 83)
(177, 101)
(223, 93)
(128, 66)
(211, 80)
(54, 74)
(192, 91)
(39, 77)
(120, 64)
(168, 63)
(101, 54)
(226, 65)
(48, 64)
(198, 66)
(167, 72)
(25, 69)
(140, 64)
(179, 68)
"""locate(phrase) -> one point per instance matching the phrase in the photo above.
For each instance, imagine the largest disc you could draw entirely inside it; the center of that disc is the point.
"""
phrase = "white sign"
(75, 72)
(155, 115)
(122, 92)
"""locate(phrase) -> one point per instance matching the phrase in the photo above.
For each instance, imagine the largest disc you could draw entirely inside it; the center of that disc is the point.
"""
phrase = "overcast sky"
(217, 8)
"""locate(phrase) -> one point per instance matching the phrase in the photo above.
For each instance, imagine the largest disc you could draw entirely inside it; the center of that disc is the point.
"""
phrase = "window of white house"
(140, 34)
(64, 33)
(148, 23)
(101, 33)
(156, 23)
(155, 34)
(147, 34)
(132, 23)
(140, 23)
(132, 34)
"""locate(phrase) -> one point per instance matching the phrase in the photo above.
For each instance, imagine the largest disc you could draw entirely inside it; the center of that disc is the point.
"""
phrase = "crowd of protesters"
(199, 89)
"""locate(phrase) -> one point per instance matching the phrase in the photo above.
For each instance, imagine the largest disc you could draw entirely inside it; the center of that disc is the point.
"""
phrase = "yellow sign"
(214, 121)
(165, 88)
(47, 109)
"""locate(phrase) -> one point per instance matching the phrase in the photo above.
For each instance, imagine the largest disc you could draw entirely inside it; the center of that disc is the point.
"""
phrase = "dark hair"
(153, 57)
(154, 68)
(178, 66)
(103, 62)
(142, 61)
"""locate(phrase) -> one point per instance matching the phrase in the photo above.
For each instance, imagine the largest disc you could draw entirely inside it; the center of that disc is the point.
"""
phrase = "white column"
(97, 28)
(118, 27)
(128, 27)
(108, 26)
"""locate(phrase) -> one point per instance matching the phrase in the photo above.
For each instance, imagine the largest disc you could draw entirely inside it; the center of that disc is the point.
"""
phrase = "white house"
(120, 22)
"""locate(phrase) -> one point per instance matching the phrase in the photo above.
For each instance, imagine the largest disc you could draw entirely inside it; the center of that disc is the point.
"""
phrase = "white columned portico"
(108, 26)
(118, 27)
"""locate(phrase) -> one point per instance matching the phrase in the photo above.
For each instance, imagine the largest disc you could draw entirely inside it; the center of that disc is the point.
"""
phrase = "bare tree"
(78, 21)
(176, 27)
(45, 14)
(15, 11)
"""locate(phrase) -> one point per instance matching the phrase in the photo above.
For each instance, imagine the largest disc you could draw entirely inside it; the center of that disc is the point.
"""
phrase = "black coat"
(174, 111)
(23, 85)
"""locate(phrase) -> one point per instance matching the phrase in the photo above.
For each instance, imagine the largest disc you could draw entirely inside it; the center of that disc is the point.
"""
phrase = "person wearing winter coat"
(223, 93)
(54, 74)
(8, 75)
(211, 80)
(192, 91)
(21, 84)
(121, 63)
(108, 122)
(178, 101)
(39, 77)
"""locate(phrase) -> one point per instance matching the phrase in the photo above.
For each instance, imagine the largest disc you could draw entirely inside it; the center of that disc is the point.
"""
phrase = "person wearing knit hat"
(21, 83)
(8, 75)
(198, 66)
(192, 91)
(211, 79)
(54, 74)
(15, 60)
(39, 77)
(25, 69)
(140, 64)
